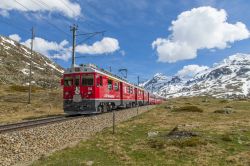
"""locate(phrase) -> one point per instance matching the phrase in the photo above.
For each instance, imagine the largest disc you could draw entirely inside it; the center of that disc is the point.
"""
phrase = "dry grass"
(222, 139)
(14, 106)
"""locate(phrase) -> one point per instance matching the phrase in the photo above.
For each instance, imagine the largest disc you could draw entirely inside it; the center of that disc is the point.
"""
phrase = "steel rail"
(34, 123)
(45, 121)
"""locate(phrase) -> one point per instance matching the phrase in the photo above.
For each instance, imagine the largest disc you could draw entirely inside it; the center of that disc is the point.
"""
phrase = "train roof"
(93, 68)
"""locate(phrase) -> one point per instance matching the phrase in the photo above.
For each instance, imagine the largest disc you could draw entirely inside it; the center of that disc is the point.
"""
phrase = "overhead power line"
(44, 18)
(68, 7)
(14, 26)
(90, 35)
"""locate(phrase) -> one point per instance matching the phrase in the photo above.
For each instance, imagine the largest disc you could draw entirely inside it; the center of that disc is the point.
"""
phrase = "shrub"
(227, 138)
(223, 101)
(188, 142)
(188, 109)
(156, 143)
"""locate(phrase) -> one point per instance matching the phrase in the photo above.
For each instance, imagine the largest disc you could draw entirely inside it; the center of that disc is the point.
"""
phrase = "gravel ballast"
(24, 146)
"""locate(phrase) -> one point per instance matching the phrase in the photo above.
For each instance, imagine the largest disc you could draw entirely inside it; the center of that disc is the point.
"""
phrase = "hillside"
(229, 78)
(14, 66)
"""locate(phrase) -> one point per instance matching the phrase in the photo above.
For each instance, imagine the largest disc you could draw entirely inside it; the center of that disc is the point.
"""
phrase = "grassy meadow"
(183, 131)
(14, 103)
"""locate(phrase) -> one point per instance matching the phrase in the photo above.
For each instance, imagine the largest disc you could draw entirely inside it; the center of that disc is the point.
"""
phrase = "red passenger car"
(88, 89)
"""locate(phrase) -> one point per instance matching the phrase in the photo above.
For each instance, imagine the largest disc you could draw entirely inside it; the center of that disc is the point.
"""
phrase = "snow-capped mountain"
(157, 82)
(14, 65)
(227, 79)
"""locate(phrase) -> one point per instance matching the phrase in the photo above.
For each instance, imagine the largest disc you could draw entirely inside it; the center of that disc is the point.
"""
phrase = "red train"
(88, 89)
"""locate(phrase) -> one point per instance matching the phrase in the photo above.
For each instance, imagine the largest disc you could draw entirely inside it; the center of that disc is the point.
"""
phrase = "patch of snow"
(54, 67)
(9, 41)
(40, 68)
(26, 71)
(246, 87)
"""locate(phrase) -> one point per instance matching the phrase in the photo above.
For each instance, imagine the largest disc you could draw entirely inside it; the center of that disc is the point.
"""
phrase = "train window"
(131, 90)
(77, 80)
(68, 81)
(110, 82)
(116, 86)
(87, 80)
(99, 81)
(128, 89)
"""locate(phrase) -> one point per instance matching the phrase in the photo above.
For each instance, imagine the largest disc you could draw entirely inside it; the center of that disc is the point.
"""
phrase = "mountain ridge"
(230, 78)
(14, 66)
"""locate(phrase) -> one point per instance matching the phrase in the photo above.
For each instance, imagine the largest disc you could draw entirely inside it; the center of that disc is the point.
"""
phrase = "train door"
(121, 93)
(77, 92)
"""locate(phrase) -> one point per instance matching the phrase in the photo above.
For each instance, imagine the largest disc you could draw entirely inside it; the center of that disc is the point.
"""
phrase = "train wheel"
(100, 109)
(105, 108)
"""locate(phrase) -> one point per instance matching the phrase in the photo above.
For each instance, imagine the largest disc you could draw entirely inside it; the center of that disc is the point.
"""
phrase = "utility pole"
(110, 69)
(73, 29)
(31, 53)
(138, 80)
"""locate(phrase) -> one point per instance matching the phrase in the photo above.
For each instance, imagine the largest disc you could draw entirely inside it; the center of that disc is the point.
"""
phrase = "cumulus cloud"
(191, 70)
(62, 50)
(66, 7)
(199, 28)
(105, 46)
(15, 37)
(43, 46)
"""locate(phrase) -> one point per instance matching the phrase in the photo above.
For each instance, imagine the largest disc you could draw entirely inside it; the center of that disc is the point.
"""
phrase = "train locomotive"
(88, 89)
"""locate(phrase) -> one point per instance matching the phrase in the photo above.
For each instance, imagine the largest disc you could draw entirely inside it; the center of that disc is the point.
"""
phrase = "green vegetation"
(187, 109)
(162, 137)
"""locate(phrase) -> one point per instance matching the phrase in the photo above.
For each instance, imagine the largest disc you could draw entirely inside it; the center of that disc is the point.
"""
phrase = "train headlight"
(66, 93)
(89, 93)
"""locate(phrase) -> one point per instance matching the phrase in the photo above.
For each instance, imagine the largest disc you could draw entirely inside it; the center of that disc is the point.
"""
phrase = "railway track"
(33, 123)
(40, 122)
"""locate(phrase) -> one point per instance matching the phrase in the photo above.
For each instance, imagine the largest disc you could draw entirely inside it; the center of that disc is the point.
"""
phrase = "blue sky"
(135, 25)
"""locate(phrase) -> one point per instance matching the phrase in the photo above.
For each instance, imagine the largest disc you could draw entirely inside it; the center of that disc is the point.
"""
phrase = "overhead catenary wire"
(68, 7)
(14, 26)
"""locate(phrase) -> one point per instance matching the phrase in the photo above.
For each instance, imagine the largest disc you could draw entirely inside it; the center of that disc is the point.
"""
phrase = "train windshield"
(77, 80)
(88, 80)
(68, 81)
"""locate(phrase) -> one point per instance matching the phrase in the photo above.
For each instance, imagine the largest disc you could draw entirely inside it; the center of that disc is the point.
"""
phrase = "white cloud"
(15, 37)
(62, 50)
(191, 70)
(199, 28)
(66, 7)
(49, 47)
(105, 46)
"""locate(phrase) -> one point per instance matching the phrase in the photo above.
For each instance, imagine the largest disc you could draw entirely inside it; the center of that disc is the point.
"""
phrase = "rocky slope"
(14, 66)
(229, 78)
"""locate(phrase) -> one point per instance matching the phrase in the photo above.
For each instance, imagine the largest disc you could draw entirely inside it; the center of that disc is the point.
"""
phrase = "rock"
(175, 133)
(224, 111)
(89, 163)
(152, 134)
